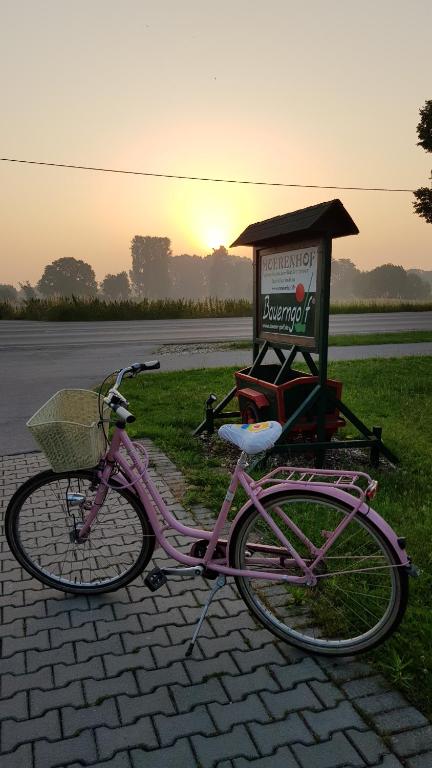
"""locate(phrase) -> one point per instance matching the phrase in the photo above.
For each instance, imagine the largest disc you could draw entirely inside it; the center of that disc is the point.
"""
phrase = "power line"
(203, 178)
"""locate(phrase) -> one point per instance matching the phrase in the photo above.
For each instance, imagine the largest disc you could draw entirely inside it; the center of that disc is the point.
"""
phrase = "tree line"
(157, 274)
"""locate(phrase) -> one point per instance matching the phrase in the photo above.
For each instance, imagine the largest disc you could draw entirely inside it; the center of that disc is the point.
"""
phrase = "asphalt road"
(40, 358)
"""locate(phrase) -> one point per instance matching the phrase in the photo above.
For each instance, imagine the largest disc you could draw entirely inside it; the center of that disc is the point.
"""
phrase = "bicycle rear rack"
(358, 483)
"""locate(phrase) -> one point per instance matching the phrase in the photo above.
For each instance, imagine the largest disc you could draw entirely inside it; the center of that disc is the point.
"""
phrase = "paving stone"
(13, 683)
(282, 758)
(278, 734)
(39, 642)
(111, 686)
(60, 753)
(21, 758)
(107, 628)
(13, 612)
(239, 686)
(60, 621)
(133, 707)
(412, 742)
(420, 761)
(171, 728)
(98, 615)
(42, 701)
(281, 703)
(13, 734)
(149, 680)
(111, 740)
(344, 669)
(13, 629)
(229, 641)
(73, 634)
(228, 714)
(400, 720)
(188, 697)
(141, 660)
(329, 754)
(13, 664)
(89, 717)
(249, 660)
(214, 749)
(39, 659)
(288, 675)
(64, 674)
(365, 686)
(180, 755)
(383, 702)
(16, 707)
(200, 671)
(120, 760)
(327, 692)
(241, 621)
(369, 744)
(85, 651)
(168, 654)
(390, 761)
(324, 723)
(159, 636)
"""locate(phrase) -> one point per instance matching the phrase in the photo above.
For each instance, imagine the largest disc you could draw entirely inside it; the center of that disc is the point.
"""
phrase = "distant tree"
(417, 287)
(343, 276)
(390, 282)
(116, 287)
(149, 274)
(8, 292)
(229, 277)
(188, 276)
(68, 277)
(423, 195)
(28, 292)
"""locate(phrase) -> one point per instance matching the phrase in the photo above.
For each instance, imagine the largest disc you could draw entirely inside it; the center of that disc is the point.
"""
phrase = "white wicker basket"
(68, 431)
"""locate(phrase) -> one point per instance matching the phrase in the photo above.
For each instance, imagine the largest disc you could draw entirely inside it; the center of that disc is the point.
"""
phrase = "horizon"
(282, 94)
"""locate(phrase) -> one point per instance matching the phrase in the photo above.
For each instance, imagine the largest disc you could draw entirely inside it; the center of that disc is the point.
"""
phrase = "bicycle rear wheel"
(360, 595)
(41, 525)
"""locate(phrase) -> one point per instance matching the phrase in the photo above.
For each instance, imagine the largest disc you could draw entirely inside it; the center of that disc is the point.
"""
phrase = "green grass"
(393, 393)
(359, 339)
(75, 309)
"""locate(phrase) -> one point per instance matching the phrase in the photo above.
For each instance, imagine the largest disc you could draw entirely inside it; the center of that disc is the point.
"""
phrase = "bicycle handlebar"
(134, 369)
(115, 400)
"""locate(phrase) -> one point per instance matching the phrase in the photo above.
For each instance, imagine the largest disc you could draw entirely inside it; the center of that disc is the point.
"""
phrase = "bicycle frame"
(135, 475)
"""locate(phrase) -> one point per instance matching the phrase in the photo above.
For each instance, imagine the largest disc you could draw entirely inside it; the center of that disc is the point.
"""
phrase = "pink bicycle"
(314, 563)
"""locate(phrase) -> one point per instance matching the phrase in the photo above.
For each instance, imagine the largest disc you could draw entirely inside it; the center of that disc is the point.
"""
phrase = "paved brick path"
(103, 681)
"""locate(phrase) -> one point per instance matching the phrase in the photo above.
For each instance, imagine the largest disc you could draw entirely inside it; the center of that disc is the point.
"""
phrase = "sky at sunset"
(314, 92)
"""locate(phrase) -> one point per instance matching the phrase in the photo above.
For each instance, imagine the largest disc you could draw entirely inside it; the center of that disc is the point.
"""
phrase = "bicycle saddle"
(251, 438)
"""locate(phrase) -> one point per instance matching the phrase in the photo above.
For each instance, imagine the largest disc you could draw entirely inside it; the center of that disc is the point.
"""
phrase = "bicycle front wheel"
(361, 590)
(41, 525)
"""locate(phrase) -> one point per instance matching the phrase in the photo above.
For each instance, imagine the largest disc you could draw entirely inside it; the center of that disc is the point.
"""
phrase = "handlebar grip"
(150, 365)
(124, 414)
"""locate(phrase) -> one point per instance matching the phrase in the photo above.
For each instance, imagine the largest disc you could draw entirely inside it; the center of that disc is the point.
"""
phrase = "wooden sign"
(288, 282)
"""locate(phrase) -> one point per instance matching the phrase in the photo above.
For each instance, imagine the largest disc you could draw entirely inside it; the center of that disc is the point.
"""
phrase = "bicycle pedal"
(155, 579)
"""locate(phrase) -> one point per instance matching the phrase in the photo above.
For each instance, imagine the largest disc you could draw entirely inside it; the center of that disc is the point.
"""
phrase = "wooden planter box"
(261, 399)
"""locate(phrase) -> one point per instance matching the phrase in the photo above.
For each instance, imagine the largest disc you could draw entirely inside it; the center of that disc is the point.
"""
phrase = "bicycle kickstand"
(219, 583)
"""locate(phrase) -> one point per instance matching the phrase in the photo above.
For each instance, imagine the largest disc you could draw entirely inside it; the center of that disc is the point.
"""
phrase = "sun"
(215, 236)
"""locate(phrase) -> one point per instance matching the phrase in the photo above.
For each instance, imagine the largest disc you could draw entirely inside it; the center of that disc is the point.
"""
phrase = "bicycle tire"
(312, 618)
(121, 539)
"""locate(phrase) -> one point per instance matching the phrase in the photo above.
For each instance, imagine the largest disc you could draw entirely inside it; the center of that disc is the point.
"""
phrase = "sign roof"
(329, 218)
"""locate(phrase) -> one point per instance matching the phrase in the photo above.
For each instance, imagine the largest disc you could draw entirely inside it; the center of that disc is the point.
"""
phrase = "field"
(392, 393)
(74, 309)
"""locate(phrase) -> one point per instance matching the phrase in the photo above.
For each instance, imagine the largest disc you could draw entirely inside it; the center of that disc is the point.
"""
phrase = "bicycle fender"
(337, 494)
